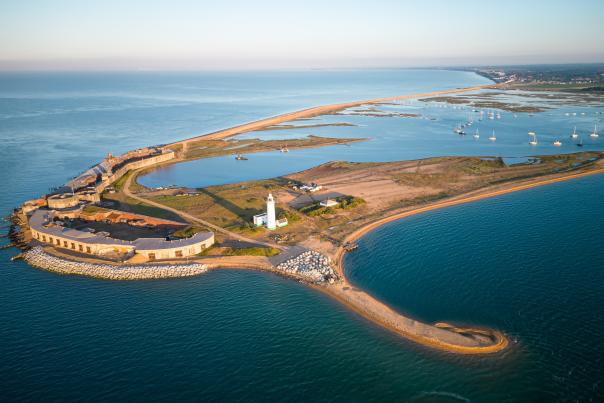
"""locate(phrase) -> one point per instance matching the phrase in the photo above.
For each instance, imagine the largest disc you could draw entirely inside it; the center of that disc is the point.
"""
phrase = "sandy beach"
(317, 111)
(483, 341)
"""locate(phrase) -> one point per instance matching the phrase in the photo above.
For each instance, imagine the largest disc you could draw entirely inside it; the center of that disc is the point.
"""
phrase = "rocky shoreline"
(37, 257)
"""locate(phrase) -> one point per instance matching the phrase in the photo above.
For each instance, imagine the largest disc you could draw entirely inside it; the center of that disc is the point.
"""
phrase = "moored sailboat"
(595, 132)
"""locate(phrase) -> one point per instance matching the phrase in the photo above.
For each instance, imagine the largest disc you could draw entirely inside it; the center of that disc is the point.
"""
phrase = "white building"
(260, 220)
(328, 203)
(313, 187)
(271, 219)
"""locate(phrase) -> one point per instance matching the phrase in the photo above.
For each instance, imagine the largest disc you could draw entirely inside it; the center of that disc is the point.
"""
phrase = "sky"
(233, 34)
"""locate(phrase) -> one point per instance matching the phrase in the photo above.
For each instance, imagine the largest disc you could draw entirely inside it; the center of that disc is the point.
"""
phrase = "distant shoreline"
(316, 111)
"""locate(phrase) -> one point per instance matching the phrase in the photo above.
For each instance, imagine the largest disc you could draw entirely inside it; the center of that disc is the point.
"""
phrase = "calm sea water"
(527, 263)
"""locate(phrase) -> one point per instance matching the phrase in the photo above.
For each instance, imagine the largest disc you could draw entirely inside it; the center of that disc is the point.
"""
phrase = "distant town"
(583, 77)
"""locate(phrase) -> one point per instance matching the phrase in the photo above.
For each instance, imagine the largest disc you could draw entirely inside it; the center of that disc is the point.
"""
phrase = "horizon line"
(292, 68)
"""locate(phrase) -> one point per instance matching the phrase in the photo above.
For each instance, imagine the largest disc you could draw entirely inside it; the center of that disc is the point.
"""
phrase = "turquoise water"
(529, 264)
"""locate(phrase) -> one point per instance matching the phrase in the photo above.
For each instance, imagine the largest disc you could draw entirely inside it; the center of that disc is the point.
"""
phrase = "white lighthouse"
(271, 220)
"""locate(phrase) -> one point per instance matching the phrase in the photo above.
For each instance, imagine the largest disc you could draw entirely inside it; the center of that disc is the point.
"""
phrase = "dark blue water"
(528, 263)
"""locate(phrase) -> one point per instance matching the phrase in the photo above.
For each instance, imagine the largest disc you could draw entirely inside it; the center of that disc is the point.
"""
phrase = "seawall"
(37, 257)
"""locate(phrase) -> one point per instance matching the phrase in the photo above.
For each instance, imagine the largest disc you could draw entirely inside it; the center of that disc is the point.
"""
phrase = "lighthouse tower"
(271, 221)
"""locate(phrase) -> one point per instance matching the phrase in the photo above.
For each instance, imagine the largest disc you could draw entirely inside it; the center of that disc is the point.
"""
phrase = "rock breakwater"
(311, 266)
(37, 257)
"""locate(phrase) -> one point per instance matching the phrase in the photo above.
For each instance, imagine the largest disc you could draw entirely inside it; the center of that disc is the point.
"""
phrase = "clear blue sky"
(186, 34)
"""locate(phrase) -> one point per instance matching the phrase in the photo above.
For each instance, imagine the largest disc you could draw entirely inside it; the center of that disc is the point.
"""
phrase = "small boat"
(498, 116)
(557, 143)
(595, 134)
(532, 138)
(574, 134)
(240, 157)
(580, 143)
(476, 135)
(493, 138)
(284, 150)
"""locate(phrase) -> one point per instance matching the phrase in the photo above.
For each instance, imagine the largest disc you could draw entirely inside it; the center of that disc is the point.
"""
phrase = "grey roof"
(161, 243)
(41, 220)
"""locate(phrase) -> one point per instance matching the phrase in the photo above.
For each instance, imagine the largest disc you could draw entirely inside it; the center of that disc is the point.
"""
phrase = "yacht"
(557, 143)
(240, 157)
(493, 138)
(284, 150)
(532, 138)
(574, 134)
(476, 135)
(595, 134)
(580, 143)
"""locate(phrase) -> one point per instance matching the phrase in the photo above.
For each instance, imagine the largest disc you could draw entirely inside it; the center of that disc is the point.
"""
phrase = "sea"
(530, 263)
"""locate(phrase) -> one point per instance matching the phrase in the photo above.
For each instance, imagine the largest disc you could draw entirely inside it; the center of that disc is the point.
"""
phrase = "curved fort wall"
(142, 163)
(44, 230)
(62, 201)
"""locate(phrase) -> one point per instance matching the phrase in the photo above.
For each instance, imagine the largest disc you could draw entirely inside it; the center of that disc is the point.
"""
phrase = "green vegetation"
(349, 202)
(189, 231)
(134, 185)
(480, 166)
(252, 251)
(345, 203)
(229, 206)
(92, 210)
(289, 127)
(217, 250)
(137, 207)
(214, 148)
(478, 101)
(290, 215)
(423, 199)
(119, 184)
